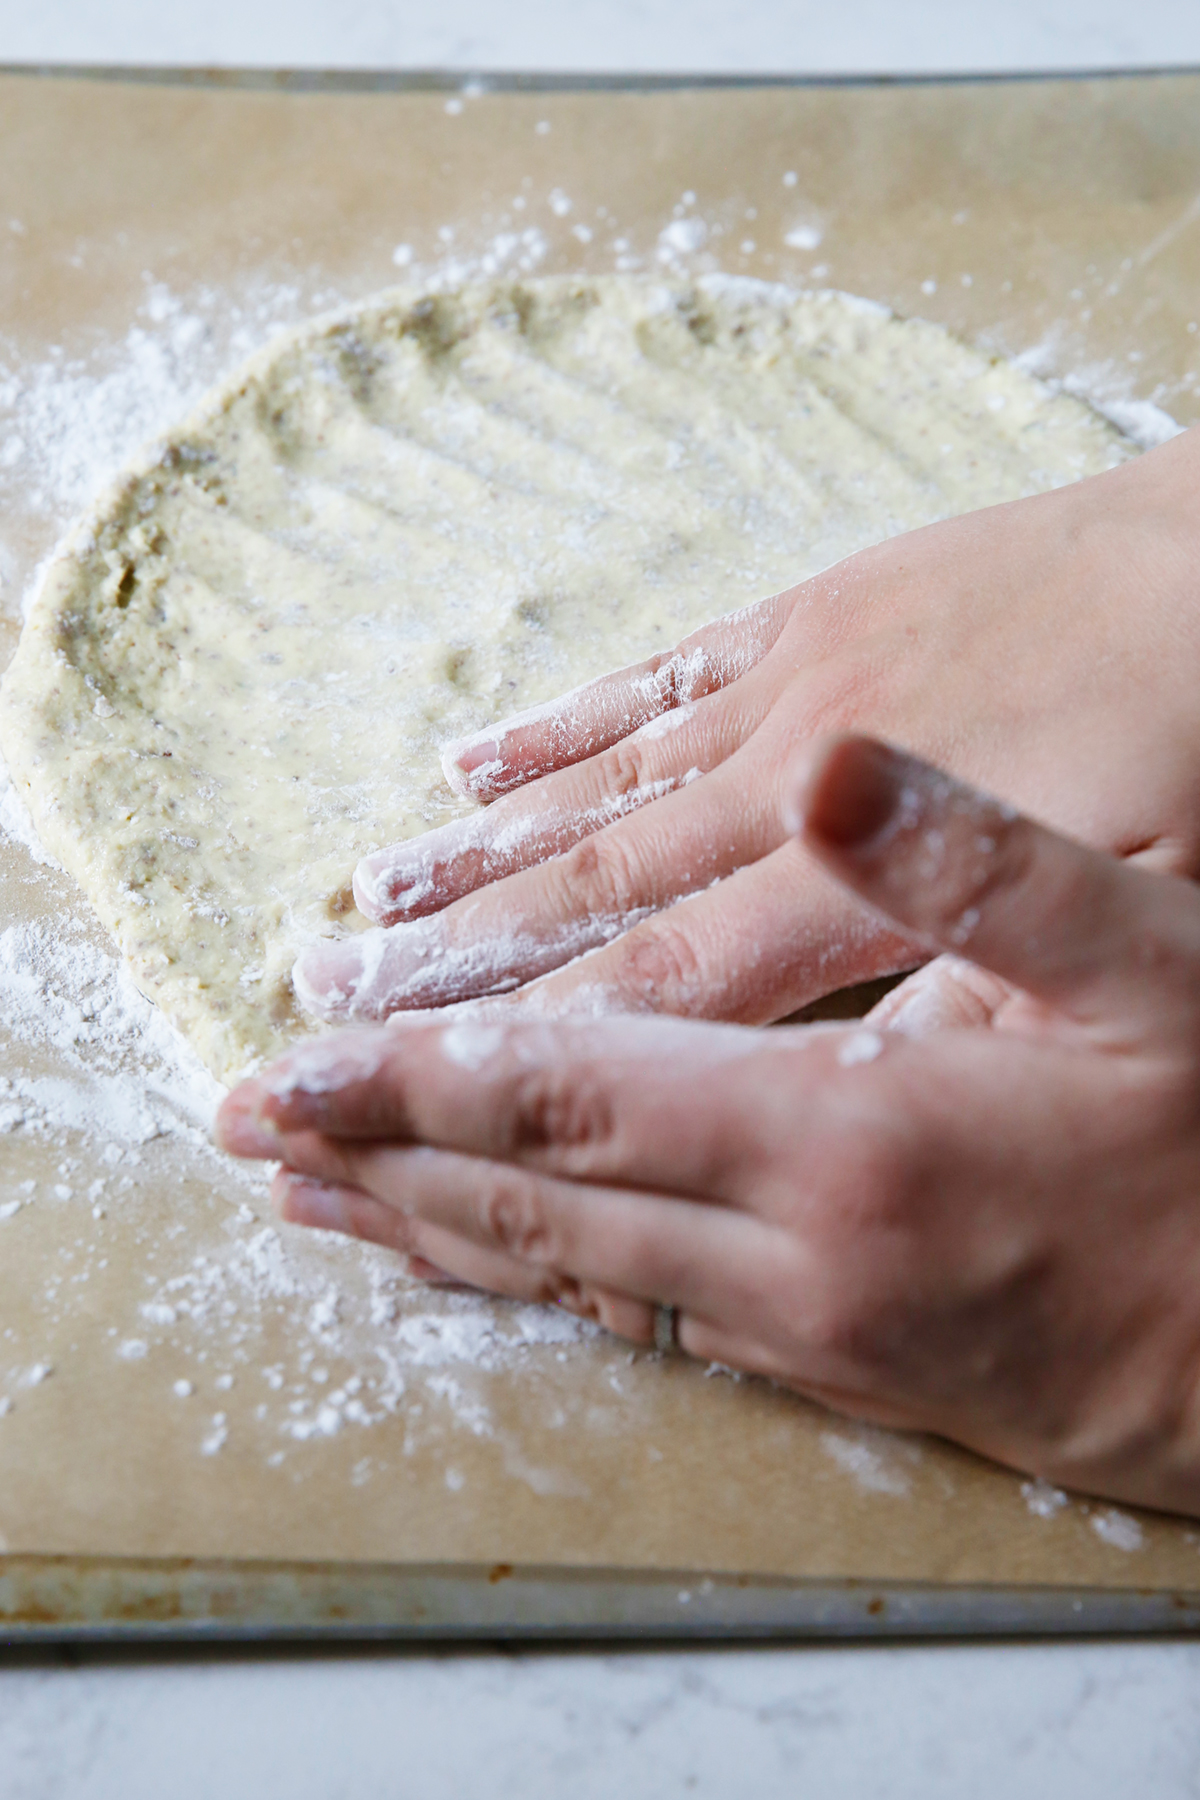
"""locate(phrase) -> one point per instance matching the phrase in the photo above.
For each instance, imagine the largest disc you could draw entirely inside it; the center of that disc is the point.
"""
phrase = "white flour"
(68, 424)
(356, 1358)
(136, 1078)
(16, 824)
(1120, 1530)
(879, 1462)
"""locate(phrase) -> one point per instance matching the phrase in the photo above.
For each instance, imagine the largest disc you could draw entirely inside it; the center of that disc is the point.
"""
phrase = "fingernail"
(336, 979)
(241, 1129)
(851, 793)
(468, 764)
(431, 1274)
(392, 883)
(374, 885)
(303, 1202)
(404, 877)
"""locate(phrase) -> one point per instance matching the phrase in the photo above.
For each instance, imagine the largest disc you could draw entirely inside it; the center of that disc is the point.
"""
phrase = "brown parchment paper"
(1057, 219)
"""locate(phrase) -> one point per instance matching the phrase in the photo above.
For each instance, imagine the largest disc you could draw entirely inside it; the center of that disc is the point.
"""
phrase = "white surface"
(1097, 1722)
(812, 36)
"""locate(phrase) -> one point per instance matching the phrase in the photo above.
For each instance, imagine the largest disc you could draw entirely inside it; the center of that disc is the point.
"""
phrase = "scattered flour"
(127, 1075)
(69, 423)
(1106, 386)
(878, 1460)
(1118, 1529)
(404, 1344)
(1043, 1500)
(16, 824)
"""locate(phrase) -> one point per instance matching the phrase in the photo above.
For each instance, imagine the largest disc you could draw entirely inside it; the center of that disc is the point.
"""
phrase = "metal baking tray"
(112, 1602)
(108, 1602)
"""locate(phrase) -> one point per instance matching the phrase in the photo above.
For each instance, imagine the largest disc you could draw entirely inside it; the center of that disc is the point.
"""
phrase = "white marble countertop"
(730, 36)
(1045, 1722)
(1099, 1721)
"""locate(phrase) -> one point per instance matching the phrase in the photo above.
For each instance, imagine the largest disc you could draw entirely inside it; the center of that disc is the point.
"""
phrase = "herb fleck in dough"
(396, 525)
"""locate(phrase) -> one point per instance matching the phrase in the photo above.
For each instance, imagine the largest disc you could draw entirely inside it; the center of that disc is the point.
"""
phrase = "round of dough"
(400, 523)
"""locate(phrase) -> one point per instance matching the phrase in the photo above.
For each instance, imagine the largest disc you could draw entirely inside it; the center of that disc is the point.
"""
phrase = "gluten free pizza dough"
(401, 523)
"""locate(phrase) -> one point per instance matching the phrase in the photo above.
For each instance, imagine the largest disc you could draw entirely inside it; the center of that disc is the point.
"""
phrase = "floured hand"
(974, 1213)
(1045, 649)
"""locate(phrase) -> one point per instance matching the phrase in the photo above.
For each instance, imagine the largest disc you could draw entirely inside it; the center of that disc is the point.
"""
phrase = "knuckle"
(551, 1289)
(666, 673)
(622, 771)
(843, 691)
(661, 968)
(864, 1231)
(878, 1201)
(875, 1190)
(601, 871)
(852, 1323)
(512, 1213)
(683, 674)
(568, 1109)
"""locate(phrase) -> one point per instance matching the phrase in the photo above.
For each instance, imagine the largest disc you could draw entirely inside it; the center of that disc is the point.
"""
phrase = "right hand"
(974, 1215)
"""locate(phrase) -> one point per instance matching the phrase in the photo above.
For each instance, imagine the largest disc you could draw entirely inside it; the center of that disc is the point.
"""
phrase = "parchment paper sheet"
(1057, 218)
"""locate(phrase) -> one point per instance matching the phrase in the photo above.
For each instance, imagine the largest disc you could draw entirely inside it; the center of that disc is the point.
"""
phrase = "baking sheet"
(147, 235)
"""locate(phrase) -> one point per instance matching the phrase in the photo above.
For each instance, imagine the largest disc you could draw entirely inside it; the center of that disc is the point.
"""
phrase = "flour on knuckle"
(623, 772)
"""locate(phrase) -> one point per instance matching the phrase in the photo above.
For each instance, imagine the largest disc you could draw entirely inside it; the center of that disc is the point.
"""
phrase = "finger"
(753, 949)
(649, 1247)
(510, 933)
(1090, 935)
(672, 1106)
(835, 1385)
(590, 718)
(424, 874)
(299, 1200)
(613, 1099)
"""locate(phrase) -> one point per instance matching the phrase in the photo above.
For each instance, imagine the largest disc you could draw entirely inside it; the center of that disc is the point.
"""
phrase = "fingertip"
(298, 1200)
(845, 792)
(471, 765)
(371, 897)
(456, 776)
(315, 987)
(241, 1128)
(336, 979)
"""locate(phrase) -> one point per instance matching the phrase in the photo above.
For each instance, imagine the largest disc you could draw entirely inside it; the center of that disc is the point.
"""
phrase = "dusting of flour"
(68, 423)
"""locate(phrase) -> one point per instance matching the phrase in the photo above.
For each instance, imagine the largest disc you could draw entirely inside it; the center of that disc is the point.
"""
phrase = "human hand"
(1047, 650)
(974, 1214)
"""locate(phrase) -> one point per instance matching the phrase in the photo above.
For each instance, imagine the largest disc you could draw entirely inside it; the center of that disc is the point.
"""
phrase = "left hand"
(975, 1213)
(1045, 650)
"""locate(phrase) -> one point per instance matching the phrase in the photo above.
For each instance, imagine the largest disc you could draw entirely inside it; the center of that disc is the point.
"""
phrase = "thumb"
(1097, 938)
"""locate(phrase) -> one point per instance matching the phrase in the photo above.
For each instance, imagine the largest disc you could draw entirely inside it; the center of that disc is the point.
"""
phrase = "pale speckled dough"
(396, 525)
